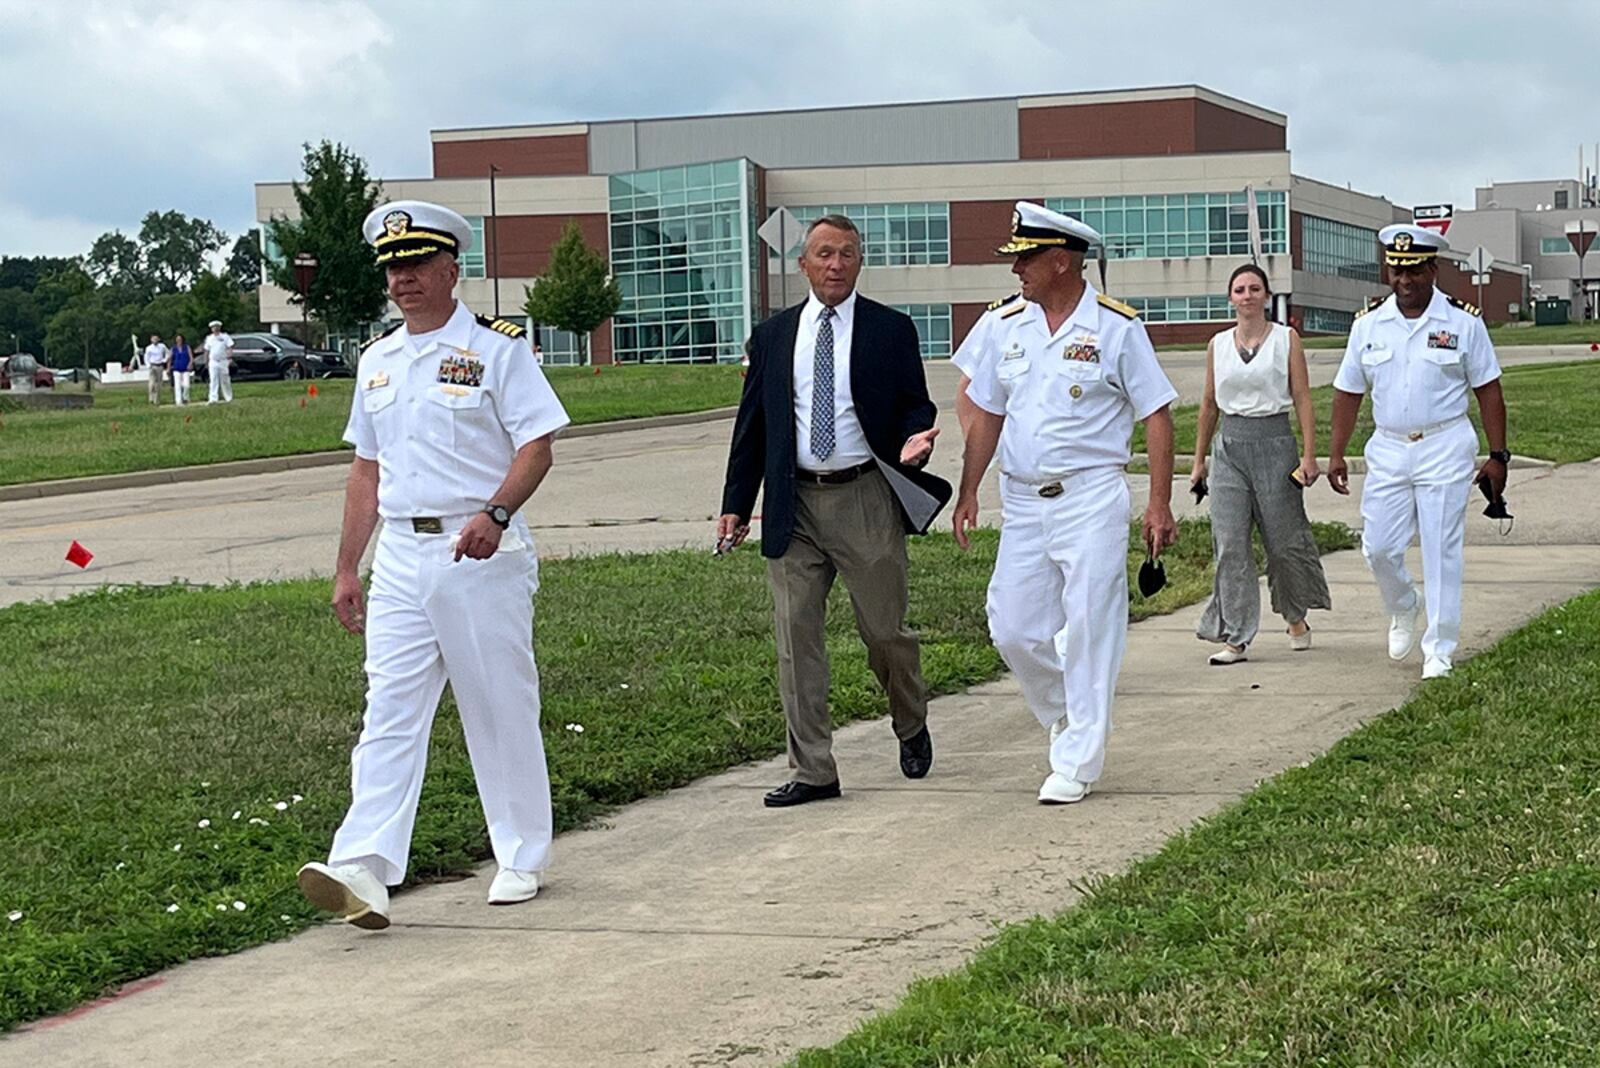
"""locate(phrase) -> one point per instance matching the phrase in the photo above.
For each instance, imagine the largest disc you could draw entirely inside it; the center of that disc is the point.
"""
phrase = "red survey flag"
(311, 390)
(77, 554)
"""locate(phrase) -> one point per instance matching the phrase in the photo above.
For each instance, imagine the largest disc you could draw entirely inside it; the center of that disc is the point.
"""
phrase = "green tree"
(21, 325)
(173, 249)
(57, 288)
(116, 260)
(576, 292)
(215, 296)
(334, 201)
(92, 329)
(244, 262)
(26, 272)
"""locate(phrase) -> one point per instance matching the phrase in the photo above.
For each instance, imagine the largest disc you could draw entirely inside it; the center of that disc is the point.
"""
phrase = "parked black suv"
(272, 356)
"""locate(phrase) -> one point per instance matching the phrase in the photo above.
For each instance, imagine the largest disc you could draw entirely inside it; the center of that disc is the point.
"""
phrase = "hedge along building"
(674, 204)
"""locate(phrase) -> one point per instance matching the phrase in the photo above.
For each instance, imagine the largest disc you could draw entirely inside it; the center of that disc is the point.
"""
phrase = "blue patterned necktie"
(822, 437)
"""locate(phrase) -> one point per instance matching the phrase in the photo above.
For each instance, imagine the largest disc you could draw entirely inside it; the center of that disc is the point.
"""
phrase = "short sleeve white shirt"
(217, 346)
(1418, 370)
(969, 355)
(1069, 397)
(444, 415)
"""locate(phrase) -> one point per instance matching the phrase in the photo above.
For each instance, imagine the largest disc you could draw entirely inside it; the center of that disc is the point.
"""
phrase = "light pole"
(494, 242)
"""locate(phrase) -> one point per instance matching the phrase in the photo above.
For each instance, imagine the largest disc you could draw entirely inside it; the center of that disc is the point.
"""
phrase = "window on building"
(1554, 246)
(1324, 320)
(1207, 309)
(933, 328)
(1179, 225)
(472, 260)
(681, 252)
(1561, 199)
(271, 254)
(892, 235)
(1339, 249)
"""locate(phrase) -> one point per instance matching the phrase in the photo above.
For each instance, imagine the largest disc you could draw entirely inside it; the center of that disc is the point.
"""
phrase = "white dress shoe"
(511, 886)
(1403, 629)
(1060, 790)
(1300, 642)
(1436, 667)
(1225, 656)
(349, 890)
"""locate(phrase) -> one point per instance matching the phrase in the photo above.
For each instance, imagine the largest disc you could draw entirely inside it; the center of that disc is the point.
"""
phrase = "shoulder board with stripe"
(1117, 306)
(1372, 302)
(1016, 308)
(1470, 309)
(501, 326)
(374, 339)
(1002, 302)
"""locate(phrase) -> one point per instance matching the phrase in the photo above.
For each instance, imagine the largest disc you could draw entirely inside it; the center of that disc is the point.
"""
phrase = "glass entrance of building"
(682, 254)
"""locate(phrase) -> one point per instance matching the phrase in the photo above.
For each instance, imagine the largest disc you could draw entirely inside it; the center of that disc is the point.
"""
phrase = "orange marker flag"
(77, 554)
(311, 390)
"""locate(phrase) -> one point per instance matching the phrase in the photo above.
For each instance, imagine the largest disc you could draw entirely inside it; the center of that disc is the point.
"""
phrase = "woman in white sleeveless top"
(1256, 474)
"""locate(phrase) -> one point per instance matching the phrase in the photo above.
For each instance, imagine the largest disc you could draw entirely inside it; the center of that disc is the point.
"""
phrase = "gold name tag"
(378, 381)
(455, 391)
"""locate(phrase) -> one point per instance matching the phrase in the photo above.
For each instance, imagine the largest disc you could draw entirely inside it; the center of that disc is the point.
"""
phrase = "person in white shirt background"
(155, 363)
(1255, 373)
(219, 364)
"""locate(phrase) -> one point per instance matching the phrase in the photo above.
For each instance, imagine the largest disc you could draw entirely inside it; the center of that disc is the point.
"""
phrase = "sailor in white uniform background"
(452, 425)
(1419, 352)
(1058, 375)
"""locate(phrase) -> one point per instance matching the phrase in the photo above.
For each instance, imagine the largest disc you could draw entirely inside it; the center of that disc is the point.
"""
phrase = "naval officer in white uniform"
(1058, 375)
(452, 425)
(1418, 352)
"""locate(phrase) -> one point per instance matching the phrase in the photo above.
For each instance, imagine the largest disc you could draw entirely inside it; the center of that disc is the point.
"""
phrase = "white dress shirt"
(850, 443)
(155, 355)
(1418, 370)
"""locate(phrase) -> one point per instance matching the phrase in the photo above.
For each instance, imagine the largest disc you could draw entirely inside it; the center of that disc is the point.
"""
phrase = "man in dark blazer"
(836, 419)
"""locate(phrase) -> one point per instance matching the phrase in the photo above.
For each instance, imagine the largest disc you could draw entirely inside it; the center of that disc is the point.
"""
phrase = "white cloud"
(127, 107)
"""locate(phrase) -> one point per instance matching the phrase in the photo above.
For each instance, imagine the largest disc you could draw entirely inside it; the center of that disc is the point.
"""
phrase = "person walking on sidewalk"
(1064, 374)
(452, 424)
(1255, 373)
(1419, 352)
(155, 364)
(835, 420)
(219, 365)
(182, 373)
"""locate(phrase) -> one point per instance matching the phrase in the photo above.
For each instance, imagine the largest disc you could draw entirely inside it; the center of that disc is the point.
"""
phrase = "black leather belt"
(833, 478)
(427, 524)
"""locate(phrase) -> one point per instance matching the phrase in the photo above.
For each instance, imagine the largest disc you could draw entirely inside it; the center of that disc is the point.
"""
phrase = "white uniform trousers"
(1058, 606)
(219, 382)
(1421, 486)
(430, 619)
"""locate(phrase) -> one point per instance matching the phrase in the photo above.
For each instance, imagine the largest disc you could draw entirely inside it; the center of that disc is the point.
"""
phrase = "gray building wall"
(969, 131)
(1526, 196)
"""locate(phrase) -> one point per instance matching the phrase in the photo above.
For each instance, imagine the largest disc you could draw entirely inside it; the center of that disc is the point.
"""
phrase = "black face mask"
(1152, 577)
(1497, 506)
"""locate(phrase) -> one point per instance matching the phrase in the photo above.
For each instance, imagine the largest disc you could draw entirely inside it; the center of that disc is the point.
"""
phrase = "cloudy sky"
(112, 109)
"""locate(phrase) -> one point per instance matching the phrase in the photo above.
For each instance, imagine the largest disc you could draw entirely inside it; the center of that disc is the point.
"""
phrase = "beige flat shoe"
(1301, 642)
(1225, 656)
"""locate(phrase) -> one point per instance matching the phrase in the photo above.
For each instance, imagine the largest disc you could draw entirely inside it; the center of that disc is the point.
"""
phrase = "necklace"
(1248, 352)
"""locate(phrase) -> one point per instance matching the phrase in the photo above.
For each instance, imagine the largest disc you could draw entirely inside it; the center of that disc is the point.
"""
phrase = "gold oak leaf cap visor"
(411, 229)
(1034, 226)
(1405, 245)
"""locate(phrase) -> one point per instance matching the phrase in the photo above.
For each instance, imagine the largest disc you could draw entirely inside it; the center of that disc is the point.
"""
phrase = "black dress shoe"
(798, 793)
(916, 754)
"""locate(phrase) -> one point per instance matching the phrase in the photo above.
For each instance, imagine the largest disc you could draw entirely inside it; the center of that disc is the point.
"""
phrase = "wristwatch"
(498, 513)
(1503, 455)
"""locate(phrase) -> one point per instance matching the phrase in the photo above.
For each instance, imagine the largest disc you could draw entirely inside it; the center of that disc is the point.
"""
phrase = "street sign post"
(305, 273)
(1480, 260)
(1580, 235)
(778, 232)
(1434, 217)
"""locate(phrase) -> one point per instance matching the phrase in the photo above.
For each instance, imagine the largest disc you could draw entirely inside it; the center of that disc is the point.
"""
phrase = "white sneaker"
(1436, 667)
(511, 886)
(1060, 790)
(349, 890)
(1403, 629)
(1225, 656)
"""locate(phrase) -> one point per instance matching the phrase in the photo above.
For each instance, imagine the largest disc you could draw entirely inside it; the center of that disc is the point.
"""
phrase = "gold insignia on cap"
(1016, 219)
(397, 222)
(1402, 242)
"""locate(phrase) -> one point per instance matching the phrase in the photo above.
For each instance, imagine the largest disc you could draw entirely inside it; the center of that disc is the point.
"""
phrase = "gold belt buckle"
(427, 525)
(1415, 435)
(1052, 490)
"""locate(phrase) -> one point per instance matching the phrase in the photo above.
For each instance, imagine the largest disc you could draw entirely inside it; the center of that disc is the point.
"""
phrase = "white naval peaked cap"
(408, 229)
(215, 322)
(1405, 245)
(1036, 226)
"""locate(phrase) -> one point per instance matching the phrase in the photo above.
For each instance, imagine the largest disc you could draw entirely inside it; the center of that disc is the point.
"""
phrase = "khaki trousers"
(854, 531)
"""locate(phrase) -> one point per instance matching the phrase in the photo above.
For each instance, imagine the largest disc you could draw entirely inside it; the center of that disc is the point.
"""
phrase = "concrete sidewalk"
(699, 928)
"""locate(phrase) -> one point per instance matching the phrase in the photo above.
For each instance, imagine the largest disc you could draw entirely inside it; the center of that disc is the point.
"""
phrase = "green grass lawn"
(1548, 413)
(122, 432)
(1427, 893)
(129, 722)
